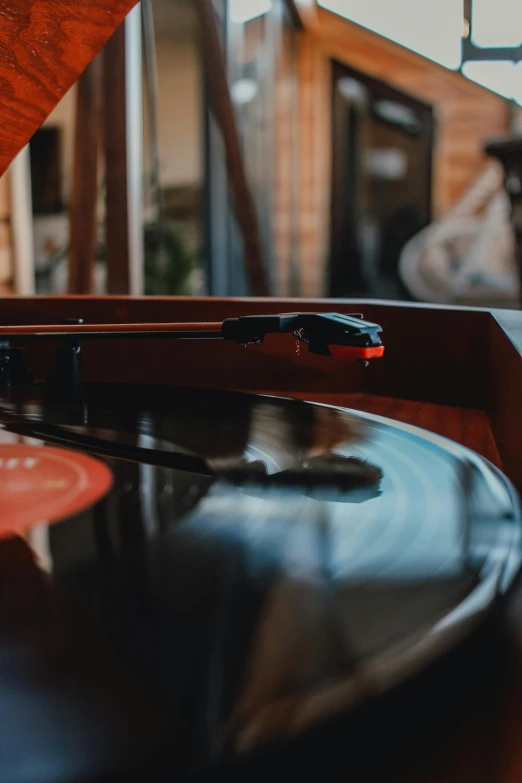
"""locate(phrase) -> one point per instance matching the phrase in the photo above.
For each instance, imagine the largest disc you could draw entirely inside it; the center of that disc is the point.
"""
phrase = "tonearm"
(329, 334)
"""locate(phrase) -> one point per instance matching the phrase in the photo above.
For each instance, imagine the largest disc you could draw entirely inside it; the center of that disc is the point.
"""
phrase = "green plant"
(167, 261)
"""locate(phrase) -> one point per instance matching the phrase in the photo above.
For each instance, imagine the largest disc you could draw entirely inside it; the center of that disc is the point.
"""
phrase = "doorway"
(381, 183)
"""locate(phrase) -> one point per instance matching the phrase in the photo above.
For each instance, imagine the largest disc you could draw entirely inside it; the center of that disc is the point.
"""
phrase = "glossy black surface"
(189, 617)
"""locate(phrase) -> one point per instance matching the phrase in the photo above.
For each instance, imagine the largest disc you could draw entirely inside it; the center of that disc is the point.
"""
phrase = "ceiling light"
(243, 91)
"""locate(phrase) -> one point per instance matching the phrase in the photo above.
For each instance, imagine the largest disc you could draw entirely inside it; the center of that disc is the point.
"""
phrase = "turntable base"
(155, 548)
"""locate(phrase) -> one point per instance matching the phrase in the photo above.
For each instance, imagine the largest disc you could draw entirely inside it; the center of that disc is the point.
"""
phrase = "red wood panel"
(44, 46)
(433, 354)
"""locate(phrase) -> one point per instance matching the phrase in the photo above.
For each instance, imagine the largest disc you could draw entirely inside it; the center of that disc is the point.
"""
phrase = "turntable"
(208, 575)
(242, 538)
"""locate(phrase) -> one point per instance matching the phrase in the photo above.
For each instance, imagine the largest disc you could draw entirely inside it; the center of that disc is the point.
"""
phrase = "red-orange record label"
(44, 484)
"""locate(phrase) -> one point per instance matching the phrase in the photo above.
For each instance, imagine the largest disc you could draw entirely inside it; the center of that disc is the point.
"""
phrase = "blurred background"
(283, 148)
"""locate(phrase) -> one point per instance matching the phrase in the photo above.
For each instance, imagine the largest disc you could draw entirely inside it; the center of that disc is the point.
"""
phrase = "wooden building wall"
(465, 115)
(314, 166)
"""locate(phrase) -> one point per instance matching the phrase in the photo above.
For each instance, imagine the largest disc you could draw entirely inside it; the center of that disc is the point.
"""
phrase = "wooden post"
(123, 158)
(82, 244)
(245, 207)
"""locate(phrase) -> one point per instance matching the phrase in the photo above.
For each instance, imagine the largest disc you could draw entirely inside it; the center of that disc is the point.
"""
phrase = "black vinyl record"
(258, 568)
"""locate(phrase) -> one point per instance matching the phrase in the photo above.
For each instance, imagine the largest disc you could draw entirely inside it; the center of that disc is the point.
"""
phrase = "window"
(497, 22)
(501, 76)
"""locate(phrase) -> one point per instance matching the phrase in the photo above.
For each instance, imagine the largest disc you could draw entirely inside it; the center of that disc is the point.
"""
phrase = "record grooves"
(258, 567)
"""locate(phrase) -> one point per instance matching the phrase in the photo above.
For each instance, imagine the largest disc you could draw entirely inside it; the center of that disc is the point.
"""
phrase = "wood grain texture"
(44, 46)
(286, 164)
(432, 354)
(314, 173)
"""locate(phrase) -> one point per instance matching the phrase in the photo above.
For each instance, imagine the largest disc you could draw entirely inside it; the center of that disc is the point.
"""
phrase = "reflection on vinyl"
(258, 566)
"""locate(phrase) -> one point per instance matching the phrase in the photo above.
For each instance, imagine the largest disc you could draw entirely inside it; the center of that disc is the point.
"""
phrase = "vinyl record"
(258, 567)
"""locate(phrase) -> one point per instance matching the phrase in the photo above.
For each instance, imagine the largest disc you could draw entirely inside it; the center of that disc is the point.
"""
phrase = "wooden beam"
(82, 245)
(223, 109)
(44, 46)
(115, 143)
(307, 11)
(295, 13)
(123, 162)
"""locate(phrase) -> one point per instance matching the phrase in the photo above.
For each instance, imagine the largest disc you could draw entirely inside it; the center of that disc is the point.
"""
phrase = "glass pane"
(432, 28)
(381, 188)
(174, 261)
(503, 77)
(262, 63)
(251, 75)
(51, 151)
(497, 22)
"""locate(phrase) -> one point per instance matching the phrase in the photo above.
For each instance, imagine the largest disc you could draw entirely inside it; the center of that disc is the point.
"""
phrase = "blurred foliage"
(168, 262)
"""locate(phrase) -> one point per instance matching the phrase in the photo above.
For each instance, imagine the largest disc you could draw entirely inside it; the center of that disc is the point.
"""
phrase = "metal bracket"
(12, 365)
(69, 358)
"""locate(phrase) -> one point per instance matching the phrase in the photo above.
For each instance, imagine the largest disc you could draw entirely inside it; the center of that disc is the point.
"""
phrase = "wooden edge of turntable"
(468, 426)
(432, 353)
(504, 386)
(442, 368)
